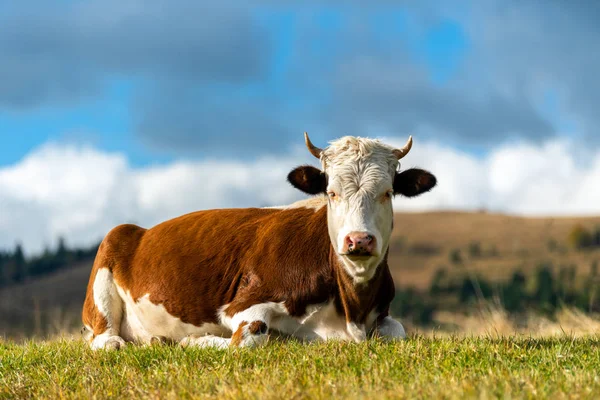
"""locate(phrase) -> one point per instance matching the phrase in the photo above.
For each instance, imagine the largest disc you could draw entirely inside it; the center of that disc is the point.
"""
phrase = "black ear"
(308, 179)
(413, 182)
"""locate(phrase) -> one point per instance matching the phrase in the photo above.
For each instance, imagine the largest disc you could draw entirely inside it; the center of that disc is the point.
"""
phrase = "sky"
(129, 111)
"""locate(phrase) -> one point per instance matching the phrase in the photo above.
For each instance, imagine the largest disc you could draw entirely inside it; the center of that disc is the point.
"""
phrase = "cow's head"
(360, 178)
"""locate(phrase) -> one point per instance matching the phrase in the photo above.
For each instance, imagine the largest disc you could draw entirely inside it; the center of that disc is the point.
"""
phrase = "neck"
(357, 294)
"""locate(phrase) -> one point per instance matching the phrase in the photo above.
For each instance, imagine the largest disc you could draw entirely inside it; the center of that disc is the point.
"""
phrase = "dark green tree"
(455, 256)
(438, 283)
(545, 294)
(580, 238)
(20, 266)
(475, 249)
(513, 293)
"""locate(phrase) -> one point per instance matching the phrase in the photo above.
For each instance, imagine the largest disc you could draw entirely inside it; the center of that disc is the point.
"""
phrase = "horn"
(399, 153)
(315, 151)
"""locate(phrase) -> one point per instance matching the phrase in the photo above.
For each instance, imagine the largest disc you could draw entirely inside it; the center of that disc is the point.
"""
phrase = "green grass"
(416, 368)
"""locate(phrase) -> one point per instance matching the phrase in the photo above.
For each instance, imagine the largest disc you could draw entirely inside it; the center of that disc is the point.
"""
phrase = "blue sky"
(156, 111)
(116, 111)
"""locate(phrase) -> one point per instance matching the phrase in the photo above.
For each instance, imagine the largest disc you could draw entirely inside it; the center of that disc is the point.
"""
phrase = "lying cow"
(314, 270)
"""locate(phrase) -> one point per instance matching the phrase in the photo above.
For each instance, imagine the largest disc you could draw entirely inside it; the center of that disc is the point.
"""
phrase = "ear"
(413, 182)
(308, 179)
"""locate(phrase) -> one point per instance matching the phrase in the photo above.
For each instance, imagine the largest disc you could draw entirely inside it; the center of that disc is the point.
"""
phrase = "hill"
(48, 305)
(492, 245)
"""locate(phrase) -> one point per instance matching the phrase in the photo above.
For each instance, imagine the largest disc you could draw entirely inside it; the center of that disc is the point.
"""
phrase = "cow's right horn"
(314, 150)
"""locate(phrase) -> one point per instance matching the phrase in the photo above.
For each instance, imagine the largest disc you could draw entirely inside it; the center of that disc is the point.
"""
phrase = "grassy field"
(515, 367)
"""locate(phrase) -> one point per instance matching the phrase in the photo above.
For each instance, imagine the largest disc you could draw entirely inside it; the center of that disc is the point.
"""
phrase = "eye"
(388, 195)
(332, 195)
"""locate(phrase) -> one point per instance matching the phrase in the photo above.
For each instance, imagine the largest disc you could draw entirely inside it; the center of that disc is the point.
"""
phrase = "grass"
(420, 367)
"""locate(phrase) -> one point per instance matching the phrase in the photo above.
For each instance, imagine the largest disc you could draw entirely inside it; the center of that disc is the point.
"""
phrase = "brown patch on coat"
(257, 327)
(238, 335)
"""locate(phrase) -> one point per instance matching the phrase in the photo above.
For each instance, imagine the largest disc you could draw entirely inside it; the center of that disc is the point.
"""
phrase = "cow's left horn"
(315, 151)
(399, 153)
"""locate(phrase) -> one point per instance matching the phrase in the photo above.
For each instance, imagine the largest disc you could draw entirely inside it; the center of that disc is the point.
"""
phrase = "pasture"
(420, 367)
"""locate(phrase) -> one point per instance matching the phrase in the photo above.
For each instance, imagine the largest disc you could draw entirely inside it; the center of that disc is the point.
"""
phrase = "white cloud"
(81, 192)
(517, 178)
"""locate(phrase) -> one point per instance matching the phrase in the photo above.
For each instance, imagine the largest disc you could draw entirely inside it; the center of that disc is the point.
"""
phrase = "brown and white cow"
(315, 270)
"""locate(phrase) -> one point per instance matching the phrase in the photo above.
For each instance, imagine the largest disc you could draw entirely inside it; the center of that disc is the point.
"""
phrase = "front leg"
(389, 329)
(250, 326)
(250, 334)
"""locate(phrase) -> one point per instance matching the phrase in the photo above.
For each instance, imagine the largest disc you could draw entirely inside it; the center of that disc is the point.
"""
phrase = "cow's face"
(359, 179)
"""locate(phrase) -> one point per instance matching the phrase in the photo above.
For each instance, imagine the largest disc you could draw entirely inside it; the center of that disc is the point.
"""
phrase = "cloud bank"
(80, 192)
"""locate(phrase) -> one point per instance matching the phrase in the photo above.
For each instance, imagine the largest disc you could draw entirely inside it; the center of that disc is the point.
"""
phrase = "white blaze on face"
(360, 175)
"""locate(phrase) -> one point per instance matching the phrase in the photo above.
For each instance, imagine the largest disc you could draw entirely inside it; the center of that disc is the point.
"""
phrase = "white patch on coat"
(265, 312)
(107, 300)
(143, 320)
(326, 322)
(357, 331)
(107, 341)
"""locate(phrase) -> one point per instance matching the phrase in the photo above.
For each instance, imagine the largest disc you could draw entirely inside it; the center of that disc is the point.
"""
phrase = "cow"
(314, 270)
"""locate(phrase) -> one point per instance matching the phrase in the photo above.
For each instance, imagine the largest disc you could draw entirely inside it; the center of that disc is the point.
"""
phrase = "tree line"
(16, 268)
(545, 291)
(581, 238)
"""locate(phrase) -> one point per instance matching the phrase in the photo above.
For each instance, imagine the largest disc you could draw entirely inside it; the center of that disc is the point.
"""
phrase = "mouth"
(357, 256)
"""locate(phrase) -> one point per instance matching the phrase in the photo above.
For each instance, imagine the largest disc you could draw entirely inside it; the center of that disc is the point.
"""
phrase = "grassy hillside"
(417, 368)
(421, 244)
(46, 306)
